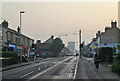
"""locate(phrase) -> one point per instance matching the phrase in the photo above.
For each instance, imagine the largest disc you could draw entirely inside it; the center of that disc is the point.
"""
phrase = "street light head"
(22, 12)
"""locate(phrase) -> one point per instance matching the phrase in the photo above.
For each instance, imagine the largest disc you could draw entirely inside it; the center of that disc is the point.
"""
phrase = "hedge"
(116, 65)
(106, 54)
(9, 54)
(10, 61)
(13, 58)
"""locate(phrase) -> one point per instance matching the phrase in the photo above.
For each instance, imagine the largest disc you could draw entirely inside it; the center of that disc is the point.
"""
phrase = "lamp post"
(20, 19)
(21, 34)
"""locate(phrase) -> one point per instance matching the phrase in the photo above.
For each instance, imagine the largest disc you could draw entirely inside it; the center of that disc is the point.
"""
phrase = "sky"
(43, 19)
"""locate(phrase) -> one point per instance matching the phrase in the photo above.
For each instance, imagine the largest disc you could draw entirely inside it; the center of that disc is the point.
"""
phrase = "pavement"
(86, 70)
(92, 60)
(22, 64)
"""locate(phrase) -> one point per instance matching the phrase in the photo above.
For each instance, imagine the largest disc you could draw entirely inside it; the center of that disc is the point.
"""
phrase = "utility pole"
(21, 35)
(80, 43)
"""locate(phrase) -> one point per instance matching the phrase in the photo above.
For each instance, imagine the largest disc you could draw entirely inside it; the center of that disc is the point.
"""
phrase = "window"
(105, 43)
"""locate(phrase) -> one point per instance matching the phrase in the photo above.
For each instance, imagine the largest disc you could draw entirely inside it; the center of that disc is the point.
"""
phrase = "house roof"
(110, 30)
(50, 40)
(11, 30)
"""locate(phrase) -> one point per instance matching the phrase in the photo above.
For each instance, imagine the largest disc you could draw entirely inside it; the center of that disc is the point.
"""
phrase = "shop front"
(25, 51)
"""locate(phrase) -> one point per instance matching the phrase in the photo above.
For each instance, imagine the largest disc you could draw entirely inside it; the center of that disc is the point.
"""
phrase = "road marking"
(75, 70)
(39, 69)
(45, 65)
(49, 68)
(70, 74)
(27, 74)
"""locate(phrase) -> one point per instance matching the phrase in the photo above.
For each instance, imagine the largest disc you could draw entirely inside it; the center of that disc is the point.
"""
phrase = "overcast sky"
(43, 19)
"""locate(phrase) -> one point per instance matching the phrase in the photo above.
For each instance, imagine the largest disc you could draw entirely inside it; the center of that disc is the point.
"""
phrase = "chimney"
(113, 24)
(38, 41)
(107, 28)
(99, 31)
(18, 29)
(5, 24)
(52, 37)
(98, 34)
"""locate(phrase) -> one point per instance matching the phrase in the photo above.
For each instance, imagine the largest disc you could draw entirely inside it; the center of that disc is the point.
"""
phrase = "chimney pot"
(113, 24)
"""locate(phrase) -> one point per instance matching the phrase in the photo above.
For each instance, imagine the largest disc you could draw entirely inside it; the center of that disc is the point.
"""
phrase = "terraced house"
(13, 40)
(111, 36)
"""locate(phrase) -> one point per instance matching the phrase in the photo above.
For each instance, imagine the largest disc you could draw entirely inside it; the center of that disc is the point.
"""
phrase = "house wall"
(14, 38)
(110, 36)
(109, 45)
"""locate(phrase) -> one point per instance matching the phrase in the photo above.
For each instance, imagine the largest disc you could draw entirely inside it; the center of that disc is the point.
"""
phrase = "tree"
(56, 46)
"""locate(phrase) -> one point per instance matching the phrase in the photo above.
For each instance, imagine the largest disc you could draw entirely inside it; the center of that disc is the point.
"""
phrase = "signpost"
(95, 47)
(12, 45)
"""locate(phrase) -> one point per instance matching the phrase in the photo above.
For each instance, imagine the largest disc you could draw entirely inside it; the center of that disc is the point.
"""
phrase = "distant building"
(14, 41)
(71, 46)
(66, 51)
(92, 45)
(43, 47)
(50, 40)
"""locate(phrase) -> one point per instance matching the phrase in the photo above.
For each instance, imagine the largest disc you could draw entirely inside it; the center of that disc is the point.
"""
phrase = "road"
(56, 68)
(69, 68)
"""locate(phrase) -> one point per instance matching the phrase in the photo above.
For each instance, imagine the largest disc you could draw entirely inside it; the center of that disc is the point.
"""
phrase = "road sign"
(95, 47)
(32, 53)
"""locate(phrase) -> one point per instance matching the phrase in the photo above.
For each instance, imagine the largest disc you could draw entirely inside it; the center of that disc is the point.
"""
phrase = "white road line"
(75, 70)
(70, 74)
(39, 69)
(27, 74)
(49, 68)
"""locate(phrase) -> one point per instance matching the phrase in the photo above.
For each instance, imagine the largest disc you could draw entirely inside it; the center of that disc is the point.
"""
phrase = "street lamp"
(20, 19)
(20, 34)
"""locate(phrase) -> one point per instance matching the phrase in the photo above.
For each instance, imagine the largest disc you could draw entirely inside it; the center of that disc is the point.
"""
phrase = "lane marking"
(39, 69)
(27, 74)
(50, 68)
(45, 65)
(70, 74)
(75, 70)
